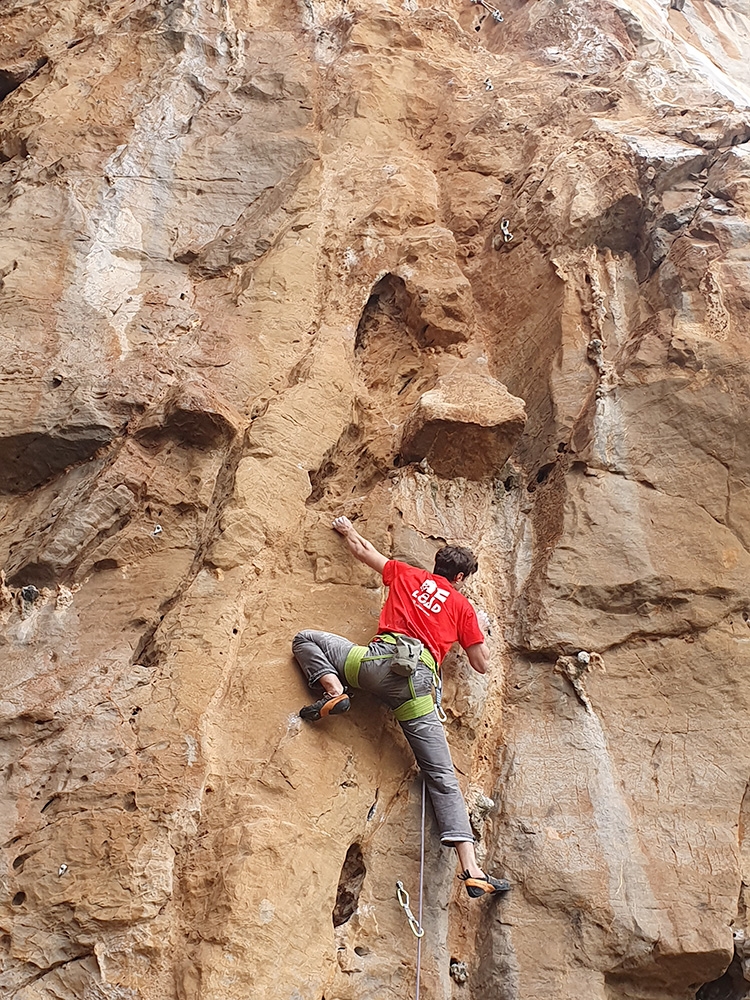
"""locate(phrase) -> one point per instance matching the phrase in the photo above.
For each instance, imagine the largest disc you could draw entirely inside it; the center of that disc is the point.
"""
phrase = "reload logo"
(430, 597)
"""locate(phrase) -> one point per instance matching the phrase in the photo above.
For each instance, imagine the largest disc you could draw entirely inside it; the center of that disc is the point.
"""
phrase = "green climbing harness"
(415, 707)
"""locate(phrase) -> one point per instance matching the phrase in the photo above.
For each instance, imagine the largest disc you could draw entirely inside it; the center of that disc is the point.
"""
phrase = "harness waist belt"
(415, 707)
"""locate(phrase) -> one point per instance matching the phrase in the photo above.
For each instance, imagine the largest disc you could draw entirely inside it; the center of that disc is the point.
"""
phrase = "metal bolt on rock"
(458, 971)
(496, 15)
(29, 594)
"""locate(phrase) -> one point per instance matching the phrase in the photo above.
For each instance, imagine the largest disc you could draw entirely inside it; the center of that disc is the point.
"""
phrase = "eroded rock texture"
(248, 251)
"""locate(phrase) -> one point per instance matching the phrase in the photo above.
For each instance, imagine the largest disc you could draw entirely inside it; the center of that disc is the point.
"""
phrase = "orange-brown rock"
(466, 426)
(240, 243)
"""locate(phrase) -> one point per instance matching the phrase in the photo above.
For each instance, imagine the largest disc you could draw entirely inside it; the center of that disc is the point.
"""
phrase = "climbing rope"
(421, 893)
(403, 898)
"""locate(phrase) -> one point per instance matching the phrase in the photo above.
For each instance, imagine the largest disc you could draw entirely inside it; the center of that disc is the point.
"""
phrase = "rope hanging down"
(421, 893)
(403, 898)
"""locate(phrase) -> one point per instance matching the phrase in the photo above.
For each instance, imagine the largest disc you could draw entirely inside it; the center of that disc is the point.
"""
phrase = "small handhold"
(29, 594)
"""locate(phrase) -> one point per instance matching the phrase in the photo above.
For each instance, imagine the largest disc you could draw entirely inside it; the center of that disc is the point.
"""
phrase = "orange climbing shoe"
(484, 885)
(329, 704)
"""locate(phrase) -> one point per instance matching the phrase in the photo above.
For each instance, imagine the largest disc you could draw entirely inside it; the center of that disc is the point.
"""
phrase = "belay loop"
(403, 901)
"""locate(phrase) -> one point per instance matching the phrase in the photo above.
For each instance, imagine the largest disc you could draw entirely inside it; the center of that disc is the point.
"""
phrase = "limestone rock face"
(249, 250)
(466, 426)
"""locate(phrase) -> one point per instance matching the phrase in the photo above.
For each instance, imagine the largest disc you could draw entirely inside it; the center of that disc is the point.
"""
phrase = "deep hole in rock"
(544, 472)
(361, 951)
(19, 899)
(352, 876)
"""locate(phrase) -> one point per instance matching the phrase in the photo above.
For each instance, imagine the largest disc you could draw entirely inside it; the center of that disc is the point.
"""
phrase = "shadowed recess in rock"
(731, 986)
(353, 874)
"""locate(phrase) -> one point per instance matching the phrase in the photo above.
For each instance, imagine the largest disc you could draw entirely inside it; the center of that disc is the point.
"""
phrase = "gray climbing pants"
(320, 653)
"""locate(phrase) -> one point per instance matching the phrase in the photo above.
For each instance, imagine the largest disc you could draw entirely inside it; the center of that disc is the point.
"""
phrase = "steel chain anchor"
(403, 901)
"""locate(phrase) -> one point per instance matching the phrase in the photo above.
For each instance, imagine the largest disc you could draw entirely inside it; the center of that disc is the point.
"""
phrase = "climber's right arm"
(359, 547)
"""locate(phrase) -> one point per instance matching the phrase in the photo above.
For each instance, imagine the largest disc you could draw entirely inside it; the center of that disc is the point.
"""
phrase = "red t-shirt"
(427, 607)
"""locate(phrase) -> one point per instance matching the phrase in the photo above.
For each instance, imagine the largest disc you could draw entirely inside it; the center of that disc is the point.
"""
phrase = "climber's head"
(455, 563)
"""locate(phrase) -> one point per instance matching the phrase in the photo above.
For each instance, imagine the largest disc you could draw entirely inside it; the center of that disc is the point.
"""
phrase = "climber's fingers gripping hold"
(359, 547)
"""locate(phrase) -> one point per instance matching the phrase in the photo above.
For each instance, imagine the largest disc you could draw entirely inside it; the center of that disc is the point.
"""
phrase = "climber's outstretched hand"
(343, 525)
(359, 547)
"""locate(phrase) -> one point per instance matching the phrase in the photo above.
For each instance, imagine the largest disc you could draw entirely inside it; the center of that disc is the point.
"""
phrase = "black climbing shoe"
(484, 885)
(329, 704)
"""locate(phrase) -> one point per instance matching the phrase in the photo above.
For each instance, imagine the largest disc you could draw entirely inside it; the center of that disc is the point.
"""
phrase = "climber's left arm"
(479, 657)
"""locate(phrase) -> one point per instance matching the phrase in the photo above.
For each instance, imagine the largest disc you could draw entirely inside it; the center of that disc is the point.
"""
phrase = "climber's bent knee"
(320, 653)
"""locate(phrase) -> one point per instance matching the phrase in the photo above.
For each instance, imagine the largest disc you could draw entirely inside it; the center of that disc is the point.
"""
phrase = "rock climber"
(427, 607)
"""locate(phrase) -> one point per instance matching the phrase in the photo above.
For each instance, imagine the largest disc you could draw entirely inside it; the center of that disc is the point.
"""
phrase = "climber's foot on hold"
(483, 885)
(329, 704)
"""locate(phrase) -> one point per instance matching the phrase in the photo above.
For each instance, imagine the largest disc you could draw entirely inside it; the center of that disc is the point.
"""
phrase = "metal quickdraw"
(496, 15)
(505, 230)
(403, 901)
(439, 699)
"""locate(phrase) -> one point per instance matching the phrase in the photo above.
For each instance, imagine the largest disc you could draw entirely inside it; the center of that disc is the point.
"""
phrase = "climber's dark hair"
(454, 559)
